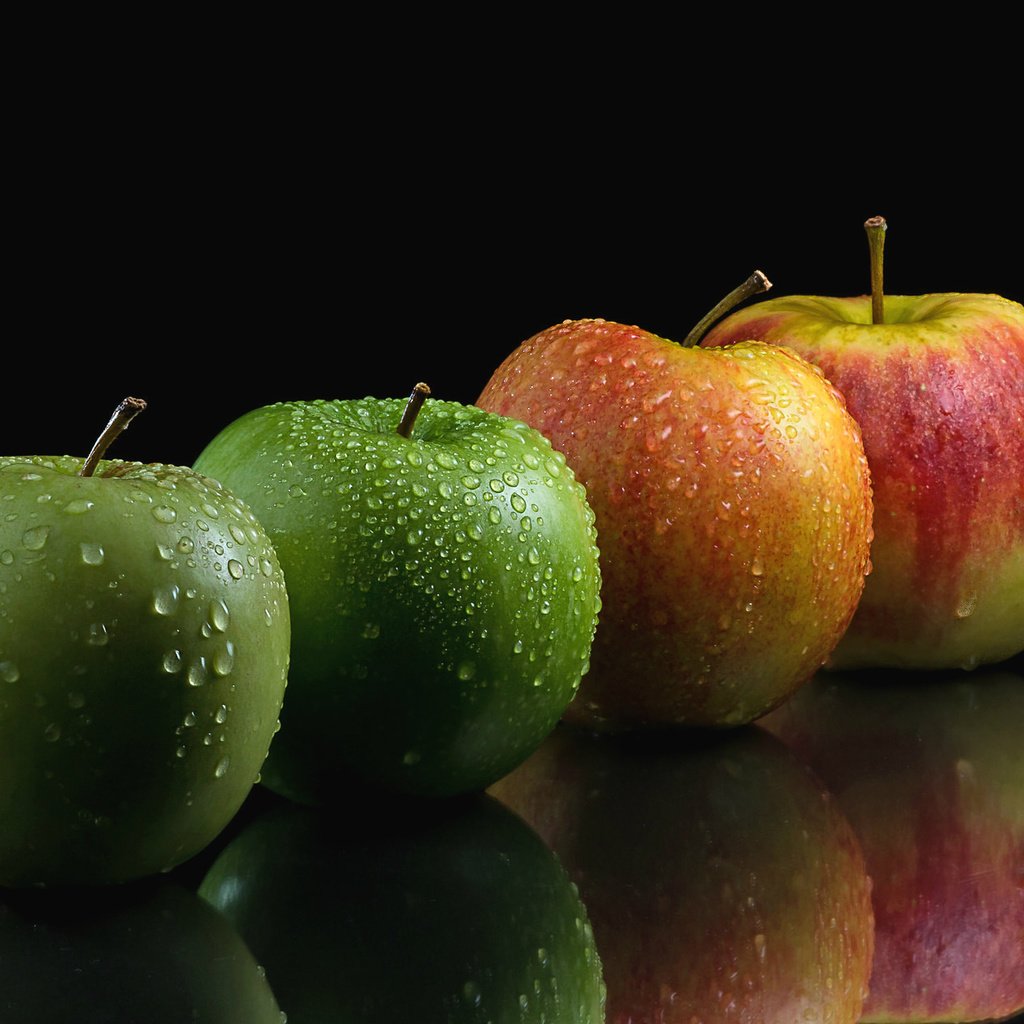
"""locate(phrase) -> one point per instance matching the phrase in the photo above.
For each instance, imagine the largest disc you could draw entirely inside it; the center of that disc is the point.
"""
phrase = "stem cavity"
(754, 285)
(126, 411)
(876, 227)
(412, 409)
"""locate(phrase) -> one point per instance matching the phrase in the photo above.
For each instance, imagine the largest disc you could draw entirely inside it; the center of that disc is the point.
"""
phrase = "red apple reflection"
(930, 772)
(721, 880)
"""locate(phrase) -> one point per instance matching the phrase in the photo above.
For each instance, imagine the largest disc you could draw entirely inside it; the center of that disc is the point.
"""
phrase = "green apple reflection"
(722, 882)
(456, 915)
(930, 772)
(149, 954)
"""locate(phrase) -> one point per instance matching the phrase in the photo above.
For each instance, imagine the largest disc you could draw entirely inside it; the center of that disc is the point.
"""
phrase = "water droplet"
(165, 599)
(51, 733)
(494, 516)
(411, 757)
(966, 605)
(189, 720)
(78, 507)
(219, 616)
(34, 539)
(186, 545)
(757, 567)
(6, 557)
(235, 569)
(222, 714)
(197, 673)
(497, 486)
(222, 766)
(517, 647)
(518, 503)
(371, 630)
(97, 635)
(9, 672)
(471, 993)
(466, 671)
(533, 556)
(266, 567)
(172, 662)
(224, 660)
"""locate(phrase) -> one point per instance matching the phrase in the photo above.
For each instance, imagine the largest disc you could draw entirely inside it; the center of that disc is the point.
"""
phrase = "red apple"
(937, 385)
(932, 779)
(733, 511)
(721, 880)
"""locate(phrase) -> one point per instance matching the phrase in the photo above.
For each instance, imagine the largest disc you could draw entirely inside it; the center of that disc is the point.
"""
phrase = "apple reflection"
(721, 879)
(150, 953)
(449, 913)
(929, 770)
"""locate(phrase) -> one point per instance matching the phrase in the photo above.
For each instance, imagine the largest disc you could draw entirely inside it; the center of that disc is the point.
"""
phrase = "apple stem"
(753, 285)
(412, 409)
(875, 227)
(126, 411)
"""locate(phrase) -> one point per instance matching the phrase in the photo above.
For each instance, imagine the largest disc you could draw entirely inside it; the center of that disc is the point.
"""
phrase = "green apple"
(443, 579)
(459, 915)
(722, 881)
(143, 657)
(733, 507)
(936, 383)
(930, 773)
(139, 954)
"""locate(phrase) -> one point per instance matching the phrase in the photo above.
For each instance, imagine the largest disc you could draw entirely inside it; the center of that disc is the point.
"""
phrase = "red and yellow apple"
(733, 511)
(936, 383)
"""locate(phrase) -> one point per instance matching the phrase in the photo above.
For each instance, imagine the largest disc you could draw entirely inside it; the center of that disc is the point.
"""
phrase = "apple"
(152, 952)
(936, 383)
(733, 508)
(443, 577)
(721, 879)
(930, 774)
(456, 914)
(143, 656)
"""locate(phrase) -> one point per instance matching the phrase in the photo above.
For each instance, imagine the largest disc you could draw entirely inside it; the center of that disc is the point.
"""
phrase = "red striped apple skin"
(733, 510)
(938, 391)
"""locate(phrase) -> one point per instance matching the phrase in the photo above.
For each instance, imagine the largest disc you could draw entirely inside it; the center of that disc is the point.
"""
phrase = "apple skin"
(722, 882)
(143, 656)
(149, 953)
(444, 589)
(733, 508)
(930, 774)
(453, 913)
(938, 390)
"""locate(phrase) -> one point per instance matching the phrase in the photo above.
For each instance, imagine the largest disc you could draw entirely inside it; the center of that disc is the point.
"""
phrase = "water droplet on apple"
(186, 545)
(165, 599)
(164, 514)
(9, 672)
(517, 647)
(966, 605)
(180, 752)
(494, 515)
(97, 636)
(518, 503)
(51, 733)
(466, 671)
(235, 569)
(757, 567)
(471, 993)
(219, 615)
(222, 714)
(197, 672)
(224, 660)
(172, 662)
(222, 766)
(371, 630)
(533, 556)
(411, 757)
(165, 551)
(78, 507)
(34, 539)
(6, 557)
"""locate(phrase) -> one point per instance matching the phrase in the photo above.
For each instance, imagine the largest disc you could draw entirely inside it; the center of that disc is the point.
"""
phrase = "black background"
(212, 245)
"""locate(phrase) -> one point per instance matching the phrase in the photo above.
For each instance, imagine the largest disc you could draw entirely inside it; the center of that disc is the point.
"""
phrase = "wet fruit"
(733, 509)
(936, 383)
(143, 655)
(444, 587)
